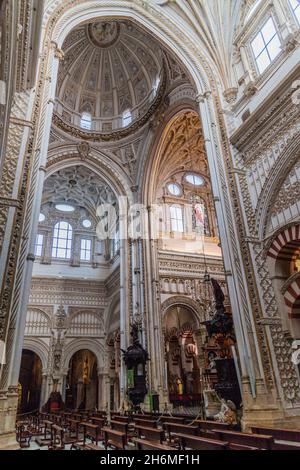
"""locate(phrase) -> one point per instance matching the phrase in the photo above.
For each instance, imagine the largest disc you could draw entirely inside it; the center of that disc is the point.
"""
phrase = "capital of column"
(58, 53)
(201, 97)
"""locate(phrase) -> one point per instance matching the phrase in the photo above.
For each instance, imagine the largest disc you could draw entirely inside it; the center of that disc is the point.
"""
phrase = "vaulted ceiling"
(78, 186)
(108, 68)
(213, 24)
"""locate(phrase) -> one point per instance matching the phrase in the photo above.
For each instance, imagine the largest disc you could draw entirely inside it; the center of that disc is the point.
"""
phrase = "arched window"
(62, 240)
(200, 217)
(127, 118)
(176, 216)
(295, 5)
(266, 45)
(86, 121)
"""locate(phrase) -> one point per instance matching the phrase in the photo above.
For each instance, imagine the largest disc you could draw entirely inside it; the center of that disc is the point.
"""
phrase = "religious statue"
(179, 386)
(228, 413)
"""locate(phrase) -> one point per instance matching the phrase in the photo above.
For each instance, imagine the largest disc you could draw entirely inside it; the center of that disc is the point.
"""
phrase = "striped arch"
(286, 245)
(292, 299)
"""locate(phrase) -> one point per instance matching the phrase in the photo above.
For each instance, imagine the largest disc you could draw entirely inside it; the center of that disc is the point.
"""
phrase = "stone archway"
(82, 381)
(30, 382)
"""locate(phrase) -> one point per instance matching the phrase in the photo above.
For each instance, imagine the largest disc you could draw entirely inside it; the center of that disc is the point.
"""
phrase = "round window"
(174, 189)
(64, 208)
(86, 223)
(195, 180)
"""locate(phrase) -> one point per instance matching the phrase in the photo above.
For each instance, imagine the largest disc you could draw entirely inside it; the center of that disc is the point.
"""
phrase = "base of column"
(265, 409)
(8, 442)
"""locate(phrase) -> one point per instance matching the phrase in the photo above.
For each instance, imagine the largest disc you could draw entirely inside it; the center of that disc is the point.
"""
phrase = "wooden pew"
(35, 426)
(205, 425)
(172, 428)
(152, 434)
(253, 440)
(99, 421)
(292, 435)
(172, 419)
(119, 426)
(73, 427)
(23, 435)
(123, 419)
(57, 438)
(145, 422)
(93, 447)
(46, 440)
(284, 446)
(200, 443)
(145, 417)
(144, 444)
(91, 431)
(232, 446)
(114, 438)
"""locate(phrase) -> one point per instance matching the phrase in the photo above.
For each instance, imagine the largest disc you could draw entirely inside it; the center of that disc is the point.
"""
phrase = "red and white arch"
(286, 245)
(292, 299)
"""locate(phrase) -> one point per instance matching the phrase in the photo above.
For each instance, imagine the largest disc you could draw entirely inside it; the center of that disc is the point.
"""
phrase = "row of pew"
(93, 431)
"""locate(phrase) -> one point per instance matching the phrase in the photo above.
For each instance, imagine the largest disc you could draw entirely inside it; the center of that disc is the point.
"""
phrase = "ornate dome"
(109, 68)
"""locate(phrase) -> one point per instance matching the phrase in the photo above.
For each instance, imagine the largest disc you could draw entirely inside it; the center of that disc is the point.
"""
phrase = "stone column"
(153, 320)
(258, 402)
(124, 298)
(103, 389)
(44, 391)
(24, 168)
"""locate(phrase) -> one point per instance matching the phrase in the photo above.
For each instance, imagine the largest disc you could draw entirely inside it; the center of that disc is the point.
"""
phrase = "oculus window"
(193, 179)
(174, 189)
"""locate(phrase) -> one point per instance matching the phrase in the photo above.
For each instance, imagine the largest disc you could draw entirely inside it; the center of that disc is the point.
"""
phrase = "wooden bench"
(145, 417)
(172, 419)
(209, 425)
(145, 422)
(152, 434)
(123, 419)
(253, 440)
(73, 427)
(46, 440)
(93, 447)
(200, 443)
(119, 426)
(232, 446)
(292, 435)
(172, 428)
(114, 438)
(144, 444)
(99, 421)
(35, 426)
(23, 435)
(284, 446)
(57, 438)
(91, 431)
